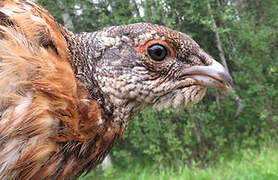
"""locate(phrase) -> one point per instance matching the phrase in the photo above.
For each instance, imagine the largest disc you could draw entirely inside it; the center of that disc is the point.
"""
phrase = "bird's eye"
(157, 52)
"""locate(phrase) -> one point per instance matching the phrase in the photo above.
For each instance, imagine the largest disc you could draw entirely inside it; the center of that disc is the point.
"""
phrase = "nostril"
(204, 57)
(193, 60)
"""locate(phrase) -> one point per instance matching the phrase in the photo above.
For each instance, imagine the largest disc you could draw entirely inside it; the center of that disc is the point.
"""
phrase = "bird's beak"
(214, 75)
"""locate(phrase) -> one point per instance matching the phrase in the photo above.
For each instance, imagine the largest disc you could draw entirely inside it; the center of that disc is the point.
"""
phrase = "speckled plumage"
(65, 98)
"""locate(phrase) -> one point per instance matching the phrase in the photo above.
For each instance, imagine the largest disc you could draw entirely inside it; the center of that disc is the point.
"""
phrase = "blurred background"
(227, 135)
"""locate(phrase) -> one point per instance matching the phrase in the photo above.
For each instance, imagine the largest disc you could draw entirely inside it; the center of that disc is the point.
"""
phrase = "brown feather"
(45, 111)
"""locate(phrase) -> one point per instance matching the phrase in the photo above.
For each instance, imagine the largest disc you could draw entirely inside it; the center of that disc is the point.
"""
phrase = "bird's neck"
(86, 52)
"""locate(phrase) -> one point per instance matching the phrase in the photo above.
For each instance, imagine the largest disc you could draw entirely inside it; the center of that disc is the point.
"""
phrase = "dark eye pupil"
(157, 52)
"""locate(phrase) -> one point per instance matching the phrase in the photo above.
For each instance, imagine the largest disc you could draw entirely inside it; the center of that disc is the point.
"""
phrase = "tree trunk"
(107, 163)
(260, 12)
(217, 37)
(66, 16)
(223, 59)
(137, 11)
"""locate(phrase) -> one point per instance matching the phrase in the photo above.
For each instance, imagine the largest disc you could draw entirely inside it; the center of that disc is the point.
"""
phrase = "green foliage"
(243, 164)
(249, 36)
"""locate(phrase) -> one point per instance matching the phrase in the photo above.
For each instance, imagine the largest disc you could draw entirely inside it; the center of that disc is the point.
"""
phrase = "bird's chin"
(180, 97)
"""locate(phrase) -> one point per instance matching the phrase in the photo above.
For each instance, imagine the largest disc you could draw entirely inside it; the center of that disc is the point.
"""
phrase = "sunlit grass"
(245, 164)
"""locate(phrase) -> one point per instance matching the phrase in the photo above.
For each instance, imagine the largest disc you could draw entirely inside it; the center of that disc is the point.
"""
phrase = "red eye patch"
(142, 49)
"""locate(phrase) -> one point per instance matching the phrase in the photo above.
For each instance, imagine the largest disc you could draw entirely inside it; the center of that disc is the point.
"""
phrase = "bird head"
(145, 64)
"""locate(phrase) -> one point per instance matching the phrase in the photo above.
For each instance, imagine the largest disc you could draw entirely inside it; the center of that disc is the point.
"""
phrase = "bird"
(65, 98)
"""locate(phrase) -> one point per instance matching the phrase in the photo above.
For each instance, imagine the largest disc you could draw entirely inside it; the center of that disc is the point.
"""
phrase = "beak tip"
(228, 88)
(228, 80)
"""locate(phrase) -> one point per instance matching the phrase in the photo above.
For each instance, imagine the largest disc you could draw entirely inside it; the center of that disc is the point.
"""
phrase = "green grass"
(245, 164)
